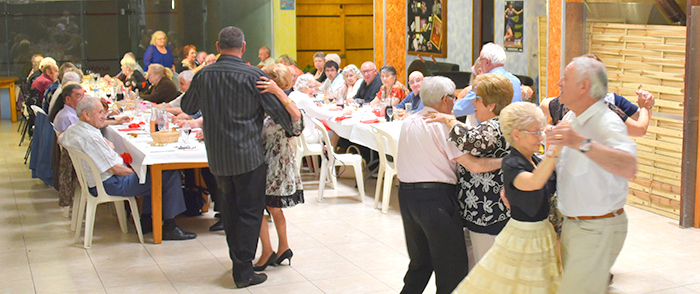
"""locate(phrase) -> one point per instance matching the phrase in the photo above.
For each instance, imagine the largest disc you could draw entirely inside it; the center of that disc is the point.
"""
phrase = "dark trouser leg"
(436, 233)
(173, 201)
(420, 267)
(242, 202)
(210, 180)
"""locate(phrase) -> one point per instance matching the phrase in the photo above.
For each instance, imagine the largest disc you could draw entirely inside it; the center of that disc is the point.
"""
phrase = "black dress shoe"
(178, 234)
(256, 279)
(218, 226)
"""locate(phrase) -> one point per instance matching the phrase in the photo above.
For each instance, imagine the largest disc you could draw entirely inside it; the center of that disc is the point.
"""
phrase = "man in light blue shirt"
(491, 60)
(415, 79)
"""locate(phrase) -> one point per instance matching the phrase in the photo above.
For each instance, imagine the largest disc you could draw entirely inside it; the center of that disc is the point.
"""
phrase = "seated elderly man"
(118, 179)
(49, 74)
(415, 79)
(426, 166)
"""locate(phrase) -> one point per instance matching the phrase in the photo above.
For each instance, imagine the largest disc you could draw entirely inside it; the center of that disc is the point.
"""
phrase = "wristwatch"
(585, 146)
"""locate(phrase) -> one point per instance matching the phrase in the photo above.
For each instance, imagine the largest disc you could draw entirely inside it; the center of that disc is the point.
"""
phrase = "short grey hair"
(594, 71)
(71, 76)
(434, 88)
(303, 81)
(352, 68)
(519, 116)
(46, 62)
(128, 62)
(231, 38)
(494, 52)
(87, 103)
(186, 75)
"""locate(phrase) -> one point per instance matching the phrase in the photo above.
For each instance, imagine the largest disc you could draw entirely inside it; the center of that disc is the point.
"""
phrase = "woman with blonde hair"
(291, 64)
(283, 188)
(527, 244)
(158, 52)
(130, 77)
(162, 88)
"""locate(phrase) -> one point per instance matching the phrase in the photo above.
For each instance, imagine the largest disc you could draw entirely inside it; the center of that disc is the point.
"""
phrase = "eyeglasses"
(536, 134)
(366, 71)
(478, 97)
(452, 96)
(413, 82)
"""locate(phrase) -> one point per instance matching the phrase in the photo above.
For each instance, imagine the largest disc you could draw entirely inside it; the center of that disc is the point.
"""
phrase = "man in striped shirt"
(234, 108)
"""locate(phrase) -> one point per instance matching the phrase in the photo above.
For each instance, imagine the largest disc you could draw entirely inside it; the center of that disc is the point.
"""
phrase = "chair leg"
(378, 190)
(81, 215)
(121, 215)
(322, 179)
(314, 167)
(76, 206)
(136, 217)
(388, 184)
(333, 176)
(360, 180)
(29, 151)
(89, 223)
(24, 133)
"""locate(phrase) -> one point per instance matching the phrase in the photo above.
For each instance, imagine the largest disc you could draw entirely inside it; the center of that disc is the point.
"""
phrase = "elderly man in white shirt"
(426, 166)
(117, 178)
(592, 173)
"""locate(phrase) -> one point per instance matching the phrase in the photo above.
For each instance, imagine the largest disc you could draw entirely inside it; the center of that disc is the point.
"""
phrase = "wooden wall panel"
(651, 57)
(319, 33)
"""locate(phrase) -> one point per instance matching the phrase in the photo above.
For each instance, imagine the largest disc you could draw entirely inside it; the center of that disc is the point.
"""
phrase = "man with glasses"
(491, 60)
(371, 84)
(415, 79)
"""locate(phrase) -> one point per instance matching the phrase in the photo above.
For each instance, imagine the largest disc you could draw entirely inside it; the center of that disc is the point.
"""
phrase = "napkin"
(370, 121)
(341, 118)
(130, 129)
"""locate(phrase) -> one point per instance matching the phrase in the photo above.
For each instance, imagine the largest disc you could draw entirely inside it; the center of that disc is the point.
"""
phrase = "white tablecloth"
(143, 154)
(360, 133)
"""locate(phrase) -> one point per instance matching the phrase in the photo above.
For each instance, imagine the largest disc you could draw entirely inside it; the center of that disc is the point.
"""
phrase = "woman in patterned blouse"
(392, 90)
(283, 186)
(483, 211)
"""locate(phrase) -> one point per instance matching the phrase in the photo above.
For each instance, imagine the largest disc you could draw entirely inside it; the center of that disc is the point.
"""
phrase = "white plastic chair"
(305, 149)
(38, 109)
(387, 169)
(334, 160)
(102, 197)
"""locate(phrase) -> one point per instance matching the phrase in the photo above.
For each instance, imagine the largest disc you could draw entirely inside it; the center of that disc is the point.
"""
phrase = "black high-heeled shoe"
(285, 255)
(270, 261)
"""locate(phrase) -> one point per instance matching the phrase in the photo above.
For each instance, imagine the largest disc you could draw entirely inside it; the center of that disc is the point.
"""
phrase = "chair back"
(384, 138)
(77, 157)
(38, 110)
(325, 139)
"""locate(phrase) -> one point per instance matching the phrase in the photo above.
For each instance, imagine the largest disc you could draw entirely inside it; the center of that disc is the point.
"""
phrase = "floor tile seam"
(161, 269)
(373, 238)
(679, 285)
(359, 267)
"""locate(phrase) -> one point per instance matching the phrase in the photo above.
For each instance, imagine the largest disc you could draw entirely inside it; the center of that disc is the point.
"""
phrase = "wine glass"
(390, 112)
(186, 129)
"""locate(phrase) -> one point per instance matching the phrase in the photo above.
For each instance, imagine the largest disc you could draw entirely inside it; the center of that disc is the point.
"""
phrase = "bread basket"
(163, 137)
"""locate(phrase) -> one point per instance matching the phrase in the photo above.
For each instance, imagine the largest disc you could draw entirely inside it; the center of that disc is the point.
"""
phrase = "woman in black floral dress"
(283, 185)
(483, 211)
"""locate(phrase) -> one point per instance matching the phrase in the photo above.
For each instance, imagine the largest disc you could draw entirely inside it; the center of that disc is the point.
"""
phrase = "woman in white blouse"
(304, 89)
(353, 81)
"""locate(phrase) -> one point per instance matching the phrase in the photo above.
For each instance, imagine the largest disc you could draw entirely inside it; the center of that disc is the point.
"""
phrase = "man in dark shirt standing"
(371, 84)
(226, 94)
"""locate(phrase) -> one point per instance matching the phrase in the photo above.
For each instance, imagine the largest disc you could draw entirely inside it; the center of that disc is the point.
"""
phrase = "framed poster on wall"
(427, 27)
(513, 34)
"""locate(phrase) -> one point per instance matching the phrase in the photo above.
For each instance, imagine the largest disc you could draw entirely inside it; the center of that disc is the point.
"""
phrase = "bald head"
(415, 79)
(369, 71)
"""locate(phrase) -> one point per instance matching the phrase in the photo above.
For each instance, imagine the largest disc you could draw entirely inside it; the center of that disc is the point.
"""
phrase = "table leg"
(199, 181)
(157, 202)
(13, 103)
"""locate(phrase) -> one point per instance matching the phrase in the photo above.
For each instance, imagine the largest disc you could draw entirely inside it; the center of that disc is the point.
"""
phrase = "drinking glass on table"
(390, 112)
(186, 129)
(409, 108)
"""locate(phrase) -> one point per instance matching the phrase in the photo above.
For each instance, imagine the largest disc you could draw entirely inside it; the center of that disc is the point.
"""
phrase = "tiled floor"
(340, 246)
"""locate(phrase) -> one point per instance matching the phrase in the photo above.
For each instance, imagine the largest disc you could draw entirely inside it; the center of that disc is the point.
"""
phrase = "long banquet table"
(158, 158)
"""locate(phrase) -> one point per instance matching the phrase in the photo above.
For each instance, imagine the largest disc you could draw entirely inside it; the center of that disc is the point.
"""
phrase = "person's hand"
(122, 120)
(504, 199)
(268, 86)
(526, 92)
(114, 112)
(335, 108)
(645, 99)
(564, 135)
(182, 117)
(200, 136)
(347, 111)
(438, 117)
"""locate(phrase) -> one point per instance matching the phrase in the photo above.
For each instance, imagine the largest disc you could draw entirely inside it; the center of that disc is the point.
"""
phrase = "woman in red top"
(391, 89)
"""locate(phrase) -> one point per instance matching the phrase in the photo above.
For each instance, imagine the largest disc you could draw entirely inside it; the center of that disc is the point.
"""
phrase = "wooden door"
(335, 26)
